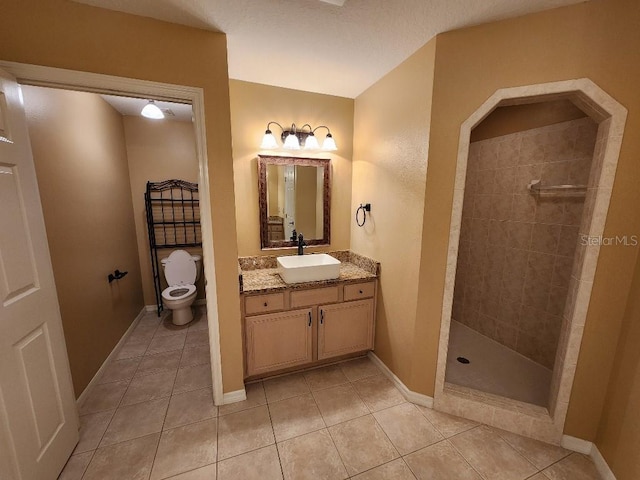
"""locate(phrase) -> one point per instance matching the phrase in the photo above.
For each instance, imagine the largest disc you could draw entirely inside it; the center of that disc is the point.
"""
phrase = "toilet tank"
(196, 258)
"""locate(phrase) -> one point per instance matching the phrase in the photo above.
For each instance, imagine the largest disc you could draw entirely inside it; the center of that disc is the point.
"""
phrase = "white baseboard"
(601, 464)
(589, 448)
(411, 396)
(96, 377)
(233, 397)
(576, 444)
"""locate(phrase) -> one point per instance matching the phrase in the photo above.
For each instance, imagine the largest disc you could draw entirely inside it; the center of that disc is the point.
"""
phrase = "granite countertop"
(260, 275)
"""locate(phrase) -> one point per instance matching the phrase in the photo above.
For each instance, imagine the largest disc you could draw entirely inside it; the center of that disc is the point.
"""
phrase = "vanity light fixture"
(295, 138)
(151, 110)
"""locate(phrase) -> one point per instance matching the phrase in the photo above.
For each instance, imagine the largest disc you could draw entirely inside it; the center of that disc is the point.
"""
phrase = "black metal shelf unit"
(173, 220)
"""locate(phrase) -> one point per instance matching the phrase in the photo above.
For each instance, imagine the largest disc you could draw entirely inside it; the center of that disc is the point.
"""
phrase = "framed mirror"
(294, 194)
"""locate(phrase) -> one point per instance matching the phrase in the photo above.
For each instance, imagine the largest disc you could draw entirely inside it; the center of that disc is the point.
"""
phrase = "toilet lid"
(180, 268)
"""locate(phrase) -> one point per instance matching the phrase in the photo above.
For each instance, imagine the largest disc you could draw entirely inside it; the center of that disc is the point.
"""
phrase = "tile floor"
(152, 417)
(495, 368)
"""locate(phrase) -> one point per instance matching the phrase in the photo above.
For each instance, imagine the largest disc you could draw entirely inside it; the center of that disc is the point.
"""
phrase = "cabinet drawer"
(356, 291)
(307, 298)
(264, 303)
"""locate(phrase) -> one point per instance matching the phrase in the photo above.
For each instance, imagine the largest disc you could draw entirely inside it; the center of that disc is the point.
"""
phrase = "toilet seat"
(178, 292)
(180, 268)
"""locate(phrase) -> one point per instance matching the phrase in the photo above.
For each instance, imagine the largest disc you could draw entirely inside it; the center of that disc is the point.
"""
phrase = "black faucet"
(294, 236)
(301, 244)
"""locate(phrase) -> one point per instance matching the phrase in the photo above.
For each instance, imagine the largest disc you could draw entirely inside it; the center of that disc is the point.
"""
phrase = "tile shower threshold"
(468, 393)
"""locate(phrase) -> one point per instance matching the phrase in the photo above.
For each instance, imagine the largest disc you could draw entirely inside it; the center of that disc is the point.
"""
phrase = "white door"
(289, 201)
(38, 417)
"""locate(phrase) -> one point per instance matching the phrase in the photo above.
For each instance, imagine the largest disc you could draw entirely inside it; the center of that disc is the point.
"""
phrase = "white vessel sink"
(308, 268)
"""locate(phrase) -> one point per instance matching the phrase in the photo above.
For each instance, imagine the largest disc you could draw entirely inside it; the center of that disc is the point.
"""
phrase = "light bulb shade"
(311, 143)
(329, 143)
(268, 141)
(291, 142)
(151, 110)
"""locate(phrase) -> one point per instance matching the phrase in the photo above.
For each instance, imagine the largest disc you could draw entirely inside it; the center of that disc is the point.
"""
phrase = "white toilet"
(182, 271)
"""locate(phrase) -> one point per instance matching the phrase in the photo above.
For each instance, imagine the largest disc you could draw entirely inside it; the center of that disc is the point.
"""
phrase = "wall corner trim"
(409, 395)
(123, 339)
(589, 448)
(235, 396)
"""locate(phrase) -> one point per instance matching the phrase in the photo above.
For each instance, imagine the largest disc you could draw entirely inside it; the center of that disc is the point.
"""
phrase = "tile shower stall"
(516, 257)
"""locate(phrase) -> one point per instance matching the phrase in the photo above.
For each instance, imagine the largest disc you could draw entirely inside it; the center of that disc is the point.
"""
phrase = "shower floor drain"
(463, 360)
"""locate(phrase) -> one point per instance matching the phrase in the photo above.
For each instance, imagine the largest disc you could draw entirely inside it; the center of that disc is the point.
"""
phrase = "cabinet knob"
(360, 292)
(265, 304)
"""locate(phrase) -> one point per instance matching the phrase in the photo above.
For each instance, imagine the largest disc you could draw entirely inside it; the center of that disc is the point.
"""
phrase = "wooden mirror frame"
(263, 161)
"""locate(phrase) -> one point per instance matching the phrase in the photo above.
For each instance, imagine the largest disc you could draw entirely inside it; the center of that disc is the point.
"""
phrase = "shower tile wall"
(516, 250)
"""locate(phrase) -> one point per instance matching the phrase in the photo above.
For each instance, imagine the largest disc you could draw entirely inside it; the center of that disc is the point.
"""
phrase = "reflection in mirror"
(294, 197)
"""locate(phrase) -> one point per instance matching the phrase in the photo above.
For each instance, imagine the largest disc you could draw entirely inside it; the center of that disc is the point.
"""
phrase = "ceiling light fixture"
(295, 138)
(151, 110)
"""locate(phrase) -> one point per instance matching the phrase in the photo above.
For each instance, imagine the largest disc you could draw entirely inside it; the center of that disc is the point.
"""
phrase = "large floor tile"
(574, 467)
(167, 344)
(131, 460)
(167, 328)
(540, 454)
(288, 386)
(359, 368)
(440, 462)
(203, 473)
(244, 431)
(407, 428)
(255, 398)
(193, 378)
(196, 355)
(190, 407)
(311, 457)
(136, 421)
(92, 428)
(199, 321)
(378, 393)
(197, 337)
(257, 465)
(362, 444)
(76, 466)
(133, 347)
(159, 363)
(185, 448)
(325, 377)
(149, 387)
(447, 425)
(339, 404)
(394, 470)
(104, 397)
(491, 456)
(120, 370)
(295, 416)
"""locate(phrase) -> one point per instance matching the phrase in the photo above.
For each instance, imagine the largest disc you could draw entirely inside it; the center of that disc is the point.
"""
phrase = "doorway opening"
(520, 270)
(194, 96)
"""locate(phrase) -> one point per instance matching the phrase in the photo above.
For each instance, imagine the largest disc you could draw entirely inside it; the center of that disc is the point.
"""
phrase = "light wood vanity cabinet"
(311, 325)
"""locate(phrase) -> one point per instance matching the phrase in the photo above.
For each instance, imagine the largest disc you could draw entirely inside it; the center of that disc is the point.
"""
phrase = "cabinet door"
(278, 340)
(345, 328)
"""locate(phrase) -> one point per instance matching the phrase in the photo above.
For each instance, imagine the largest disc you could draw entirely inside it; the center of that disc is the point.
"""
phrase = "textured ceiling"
(321, 47)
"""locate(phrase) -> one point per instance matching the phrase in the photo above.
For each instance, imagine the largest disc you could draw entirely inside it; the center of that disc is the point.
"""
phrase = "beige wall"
(389, 170)
(157, 151)
(252, 107)
(64, 34)
(619, 433)
(516, 118)
(598, 40)
(81, 163)
(306, 200)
